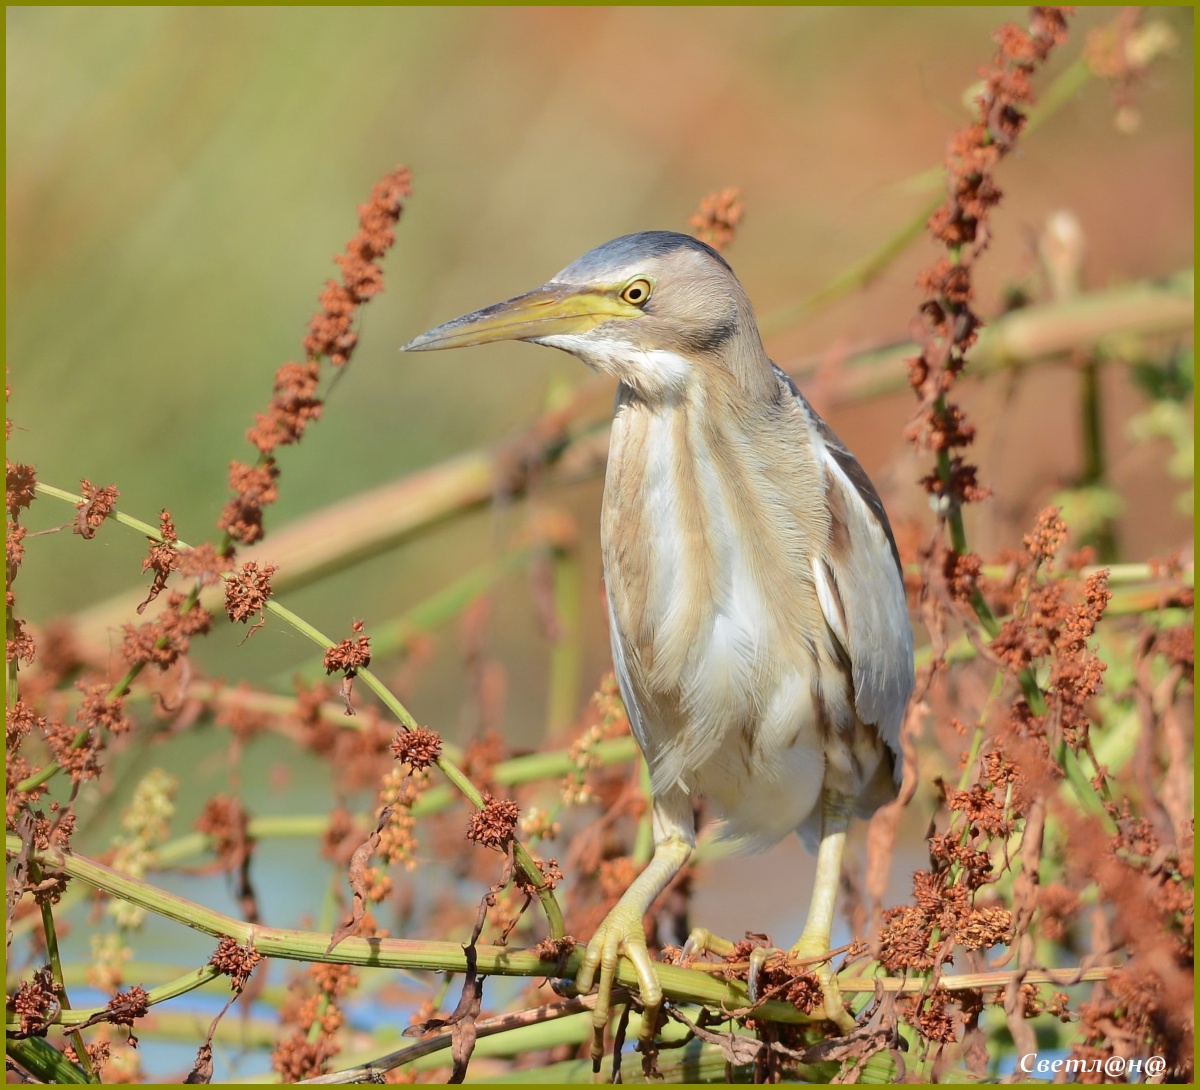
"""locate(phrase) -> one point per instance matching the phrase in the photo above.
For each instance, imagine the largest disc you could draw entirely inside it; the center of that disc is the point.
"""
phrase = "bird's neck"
(738, 385)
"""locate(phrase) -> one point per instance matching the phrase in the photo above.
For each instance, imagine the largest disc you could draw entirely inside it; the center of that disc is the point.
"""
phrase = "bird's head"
(657, 310)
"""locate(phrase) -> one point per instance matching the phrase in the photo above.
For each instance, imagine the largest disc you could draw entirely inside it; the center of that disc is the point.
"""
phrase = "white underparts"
(747, 731)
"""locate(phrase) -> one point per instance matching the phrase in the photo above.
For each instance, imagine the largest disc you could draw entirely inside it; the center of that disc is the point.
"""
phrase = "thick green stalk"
(691, 985)
(50, 932)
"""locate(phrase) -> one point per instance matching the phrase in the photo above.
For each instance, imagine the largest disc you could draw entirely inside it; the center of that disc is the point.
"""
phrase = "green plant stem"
(452, 772)
(689, 984)
(1095, 469)
(50, 932)
(42, 1060)
(686, 985)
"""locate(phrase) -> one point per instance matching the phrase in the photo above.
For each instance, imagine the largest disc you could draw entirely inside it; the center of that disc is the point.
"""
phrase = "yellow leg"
(813, 944)
(621, 932)
(815, 939)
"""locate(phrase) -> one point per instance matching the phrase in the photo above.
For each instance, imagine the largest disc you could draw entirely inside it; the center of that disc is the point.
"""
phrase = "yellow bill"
(553, 309)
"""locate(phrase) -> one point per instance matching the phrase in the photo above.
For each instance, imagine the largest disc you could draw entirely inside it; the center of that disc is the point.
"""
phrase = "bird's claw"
(832, 1006)
(758, 958)
(702, 941)
(619, 934)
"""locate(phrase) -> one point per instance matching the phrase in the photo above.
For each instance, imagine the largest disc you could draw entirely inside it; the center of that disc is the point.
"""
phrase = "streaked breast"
(708, 534)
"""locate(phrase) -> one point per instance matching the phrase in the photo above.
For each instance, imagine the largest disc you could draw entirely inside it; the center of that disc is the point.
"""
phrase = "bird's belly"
(745, 719)
(733, 677)
(755, 749)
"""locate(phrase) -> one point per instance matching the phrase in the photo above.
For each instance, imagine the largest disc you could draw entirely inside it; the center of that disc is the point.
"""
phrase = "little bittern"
(756, 604)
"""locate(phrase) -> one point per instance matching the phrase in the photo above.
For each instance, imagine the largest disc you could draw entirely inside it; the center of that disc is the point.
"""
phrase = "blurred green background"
(179, 180)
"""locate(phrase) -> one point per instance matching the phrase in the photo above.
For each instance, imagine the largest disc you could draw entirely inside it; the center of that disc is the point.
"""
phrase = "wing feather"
(860, 586)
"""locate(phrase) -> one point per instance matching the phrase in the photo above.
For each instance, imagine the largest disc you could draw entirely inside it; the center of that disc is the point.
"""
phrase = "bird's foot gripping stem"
(621, 935)
(807, 956)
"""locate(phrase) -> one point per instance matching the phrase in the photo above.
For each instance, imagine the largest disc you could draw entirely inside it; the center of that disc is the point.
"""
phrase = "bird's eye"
(636, 292)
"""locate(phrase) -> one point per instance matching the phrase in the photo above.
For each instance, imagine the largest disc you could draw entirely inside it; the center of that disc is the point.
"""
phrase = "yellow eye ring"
(637, 292)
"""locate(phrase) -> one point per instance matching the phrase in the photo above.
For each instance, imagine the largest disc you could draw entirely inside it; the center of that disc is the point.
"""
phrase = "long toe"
(619, 935)
(831, 995)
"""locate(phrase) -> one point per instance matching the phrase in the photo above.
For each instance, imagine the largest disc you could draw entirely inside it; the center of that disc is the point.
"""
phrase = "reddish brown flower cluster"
(1058, 906)
(254, 488)
(417, 748)
(349, 656)
(98, 1054)
(35, 1002)
(481, 756)
(933, 1015)
(329, 331)
(14, 548)
(1127, 1021)
(1178, 646)
(19, 485)
(161, 642)
(948, 326)
(247, 592)
(493, 825)
(313, 1001)
(163, 558)
(550, 871)
(203, 563)
(292, 408)
(235, 961)
(317, 733)
(923, 935)
(97, 505)
(982, 810)
(101, 711)
(124, 1009)
(961, 572)
(355, 755)
(225, 820)
(1077, 674)
(20, 721)
(20, 646)
(295, 402)
(79, 756)
(1045, 626)
(54, 831)
(718, 218)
